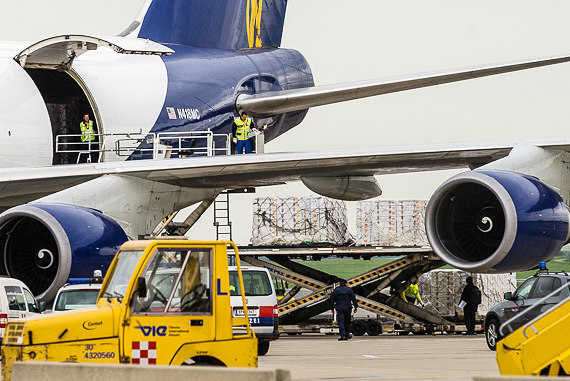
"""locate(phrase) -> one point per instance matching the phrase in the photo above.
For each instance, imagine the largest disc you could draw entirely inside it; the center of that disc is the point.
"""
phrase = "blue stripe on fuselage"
(203, 85)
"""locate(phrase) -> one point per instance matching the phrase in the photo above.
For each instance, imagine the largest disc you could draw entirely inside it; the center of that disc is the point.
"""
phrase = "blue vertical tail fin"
(220, 24)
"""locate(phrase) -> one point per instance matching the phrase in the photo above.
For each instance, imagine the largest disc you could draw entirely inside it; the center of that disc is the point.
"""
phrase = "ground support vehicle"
(528, 294)
(16, 302)
(540, 347)
(294, 314)
(261, 302)
(162, 302)
(78, 293)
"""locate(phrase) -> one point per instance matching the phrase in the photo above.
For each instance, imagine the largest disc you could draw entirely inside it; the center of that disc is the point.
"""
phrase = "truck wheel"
(358, 328)
(203, 361)
(492, 333)
(373, 328)
(262, 348)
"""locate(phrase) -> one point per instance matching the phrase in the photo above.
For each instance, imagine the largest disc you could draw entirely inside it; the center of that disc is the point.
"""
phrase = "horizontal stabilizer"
(279, 102)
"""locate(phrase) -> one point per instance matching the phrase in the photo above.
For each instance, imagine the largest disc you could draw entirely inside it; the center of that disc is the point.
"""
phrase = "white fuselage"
(139, 81)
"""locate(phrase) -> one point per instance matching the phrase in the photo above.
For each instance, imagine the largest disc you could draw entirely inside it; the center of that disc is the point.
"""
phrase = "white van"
(16, 302)
(261, 303)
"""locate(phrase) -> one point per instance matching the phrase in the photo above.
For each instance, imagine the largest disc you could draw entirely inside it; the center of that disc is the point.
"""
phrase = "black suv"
(528, 294)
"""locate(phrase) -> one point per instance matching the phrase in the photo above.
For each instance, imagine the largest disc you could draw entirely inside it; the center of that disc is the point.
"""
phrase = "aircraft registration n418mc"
(173, 83)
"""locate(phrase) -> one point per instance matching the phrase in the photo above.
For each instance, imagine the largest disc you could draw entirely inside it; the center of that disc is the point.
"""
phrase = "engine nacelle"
(347, 188)
(496, 221)
(44, 245)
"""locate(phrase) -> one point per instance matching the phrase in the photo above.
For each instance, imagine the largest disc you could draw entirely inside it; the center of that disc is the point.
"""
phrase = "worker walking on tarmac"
(412, 293)
(240, 133)
(341, 298)
(470, 299)
(87, 136)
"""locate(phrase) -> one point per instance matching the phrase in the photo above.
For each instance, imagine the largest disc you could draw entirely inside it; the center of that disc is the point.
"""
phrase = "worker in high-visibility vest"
(412, 293)
(240, 133)
(87, 131)
(89, 146)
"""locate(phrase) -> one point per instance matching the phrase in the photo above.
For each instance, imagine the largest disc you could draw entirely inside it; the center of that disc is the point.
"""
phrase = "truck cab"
(162, 302)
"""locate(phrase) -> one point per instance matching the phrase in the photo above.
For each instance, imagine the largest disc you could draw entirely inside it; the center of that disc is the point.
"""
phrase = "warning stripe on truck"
(286, 274)
(375, 273)
(367, 304)
(291, 306)
(306, 282)
(378, 308)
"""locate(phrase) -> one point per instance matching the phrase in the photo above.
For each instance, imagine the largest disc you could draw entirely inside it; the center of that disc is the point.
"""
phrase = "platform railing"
(176, 140)
(156, 146)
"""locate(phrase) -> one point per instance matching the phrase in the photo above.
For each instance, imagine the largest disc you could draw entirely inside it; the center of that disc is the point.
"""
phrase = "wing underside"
(21, 185)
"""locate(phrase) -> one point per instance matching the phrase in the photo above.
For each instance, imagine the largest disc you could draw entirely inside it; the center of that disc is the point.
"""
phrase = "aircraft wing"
(20, 185)
(278, 102)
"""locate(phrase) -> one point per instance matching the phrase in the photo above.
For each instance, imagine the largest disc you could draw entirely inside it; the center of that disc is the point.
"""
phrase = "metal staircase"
(222, 217)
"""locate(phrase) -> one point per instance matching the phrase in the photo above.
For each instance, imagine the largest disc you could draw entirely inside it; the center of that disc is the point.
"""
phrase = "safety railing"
(178, 143)
(151, 146)
(526, 312)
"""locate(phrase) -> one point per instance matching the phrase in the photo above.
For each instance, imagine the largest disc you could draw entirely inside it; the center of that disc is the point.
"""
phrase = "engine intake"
(44, 245)
(496, 221)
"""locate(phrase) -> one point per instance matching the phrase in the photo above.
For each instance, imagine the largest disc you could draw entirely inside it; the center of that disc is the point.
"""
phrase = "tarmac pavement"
(384, 357)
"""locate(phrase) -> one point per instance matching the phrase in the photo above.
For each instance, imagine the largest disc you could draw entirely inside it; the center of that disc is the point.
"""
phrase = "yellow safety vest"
(413, 291)
(87, 131)
(242, 130)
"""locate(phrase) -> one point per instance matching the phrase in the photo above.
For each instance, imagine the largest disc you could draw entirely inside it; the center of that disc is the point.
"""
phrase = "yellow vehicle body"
(172, 308)
(540, 347)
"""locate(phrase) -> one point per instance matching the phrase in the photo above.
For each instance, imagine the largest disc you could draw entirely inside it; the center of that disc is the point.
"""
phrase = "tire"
(373, 328)
(262, 348)
(492, 335)
(358, 328)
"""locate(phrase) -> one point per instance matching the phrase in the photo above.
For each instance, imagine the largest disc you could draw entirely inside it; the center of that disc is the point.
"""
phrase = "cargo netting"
(391, 223)
(299, 220)
(441, 290)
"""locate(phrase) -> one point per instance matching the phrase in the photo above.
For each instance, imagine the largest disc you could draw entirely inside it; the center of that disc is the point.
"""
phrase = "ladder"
(540, 347)
(222, 217)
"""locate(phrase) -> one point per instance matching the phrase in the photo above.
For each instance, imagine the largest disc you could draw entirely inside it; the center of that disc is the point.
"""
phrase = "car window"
(31, 301)
(256, 283)
(16, 301)
(556, 285)
(543, 287)
(74, 299)
(523, 292)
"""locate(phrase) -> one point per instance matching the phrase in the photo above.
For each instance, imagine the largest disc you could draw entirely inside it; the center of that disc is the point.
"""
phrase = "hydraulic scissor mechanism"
(366, 286)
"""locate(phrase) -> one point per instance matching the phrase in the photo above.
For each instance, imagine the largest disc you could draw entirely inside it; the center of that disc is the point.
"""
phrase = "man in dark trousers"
(240, 133)
(341, 299)
(471, 295)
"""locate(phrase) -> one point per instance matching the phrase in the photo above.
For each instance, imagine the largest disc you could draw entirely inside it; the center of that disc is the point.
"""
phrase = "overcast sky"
(361, 39)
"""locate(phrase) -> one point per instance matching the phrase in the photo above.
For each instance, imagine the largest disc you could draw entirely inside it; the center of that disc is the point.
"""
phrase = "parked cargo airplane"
(193, 64)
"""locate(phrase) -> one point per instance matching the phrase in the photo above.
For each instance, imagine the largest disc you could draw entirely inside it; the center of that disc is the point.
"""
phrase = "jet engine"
(496, 221)
(44, 245)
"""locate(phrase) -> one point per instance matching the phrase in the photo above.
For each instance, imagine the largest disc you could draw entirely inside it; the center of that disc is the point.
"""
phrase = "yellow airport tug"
(163, 302)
